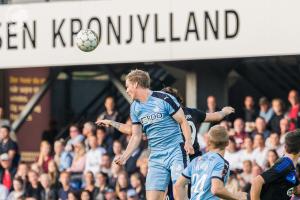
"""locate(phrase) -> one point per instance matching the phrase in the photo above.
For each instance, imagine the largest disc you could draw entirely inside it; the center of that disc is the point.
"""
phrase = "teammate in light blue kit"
(208, 174)
(160, 117)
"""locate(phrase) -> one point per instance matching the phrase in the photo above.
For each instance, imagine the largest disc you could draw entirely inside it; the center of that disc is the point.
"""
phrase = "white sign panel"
(43, 34)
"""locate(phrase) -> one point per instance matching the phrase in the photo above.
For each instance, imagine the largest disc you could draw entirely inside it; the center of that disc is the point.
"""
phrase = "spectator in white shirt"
(232, 155)
(247, 152)
(93, 156)
(260, 151)
(273, 142)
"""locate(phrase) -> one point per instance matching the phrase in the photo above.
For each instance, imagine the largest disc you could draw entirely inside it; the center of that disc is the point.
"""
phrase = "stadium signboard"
(43, 34)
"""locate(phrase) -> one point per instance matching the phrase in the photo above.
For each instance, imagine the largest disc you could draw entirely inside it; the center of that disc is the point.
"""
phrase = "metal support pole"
(34, 101)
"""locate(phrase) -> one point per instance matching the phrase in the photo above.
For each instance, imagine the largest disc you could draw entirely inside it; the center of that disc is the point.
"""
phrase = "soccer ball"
(87, 40)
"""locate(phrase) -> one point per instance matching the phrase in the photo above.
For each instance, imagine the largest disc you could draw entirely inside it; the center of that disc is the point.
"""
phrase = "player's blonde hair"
(218, 137)
(140, 77)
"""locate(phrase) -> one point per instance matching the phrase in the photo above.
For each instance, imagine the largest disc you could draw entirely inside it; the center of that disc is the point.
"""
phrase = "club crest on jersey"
(151, 118)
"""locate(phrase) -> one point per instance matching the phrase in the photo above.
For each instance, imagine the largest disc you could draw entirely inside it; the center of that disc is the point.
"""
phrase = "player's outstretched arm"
(218, 116)
(134, 142)
(218, 189)
(180, 188)
(256, 187)
(185, 127)
(123, 128)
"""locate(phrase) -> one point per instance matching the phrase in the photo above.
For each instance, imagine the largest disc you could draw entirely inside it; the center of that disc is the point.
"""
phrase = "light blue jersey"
(202, 170)
(167, 158)
(155, 116)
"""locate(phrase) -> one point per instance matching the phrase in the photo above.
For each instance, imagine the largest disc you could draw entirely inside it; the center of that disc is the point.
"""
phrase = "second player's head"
(217, 138)
(135, 80)
(174, 92)
(292, 142)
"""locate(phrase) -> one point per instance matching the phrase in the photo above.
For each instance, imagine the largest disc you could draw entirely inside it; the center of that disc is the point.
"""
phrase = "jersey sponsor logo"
(151, 118)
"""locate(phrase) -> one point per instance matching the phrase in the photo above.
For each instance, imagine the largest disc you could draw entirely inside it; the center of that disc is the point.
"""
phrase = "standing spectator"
(48, 192)
(239, 129)
(278, 107)
(78, 162)
(7, 145)
(249, 113)
(265, 111)
(232, 155)
(75, 136)
(105, 165)
(247, 152)
(260, 151)
(7, 171)
(261, 128)
(66, 187)
(34, 189)
(89, 128)
(3, 122)
(93, 156)
(90, 186)
(62, 158)
(272, 157)
(211, 104)
(18, 192)
(294, 111)
(136, 181)
(44, 156)
(110, 113)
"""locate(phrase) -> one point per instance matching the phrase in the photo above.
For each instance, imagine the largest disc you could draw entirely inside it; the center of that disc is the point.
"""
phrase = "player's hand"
(228, 110)
(241, 195)
(189, 148)
(120, 160)
(103, 122)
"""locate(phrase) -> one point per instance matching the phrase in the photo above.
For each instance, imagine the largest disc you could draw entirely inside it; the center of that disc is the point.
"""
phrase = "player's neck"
(144, 95)
(219, 151)
(293, 157)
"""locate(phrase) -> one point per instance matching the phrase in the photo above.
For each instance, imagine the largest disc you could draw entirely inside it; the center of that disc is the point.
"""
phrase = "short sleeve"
(171, 104)
(133, 115)
(220, 170)
(200, 115)
(187, 172)
(279, 169)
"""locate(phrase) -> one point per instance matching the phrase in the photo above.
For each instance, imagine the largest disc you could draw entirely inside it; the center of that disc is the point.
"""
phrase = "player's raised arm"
(134, 142)
(123, 128)
(256, 187)
(180, 188)
(218, 189)
(180, 118)
(218, 116)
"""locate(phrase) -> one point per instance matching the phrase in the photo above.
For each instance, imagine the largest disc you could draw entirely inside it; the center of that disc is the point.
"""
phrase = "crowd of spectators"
(81, 166)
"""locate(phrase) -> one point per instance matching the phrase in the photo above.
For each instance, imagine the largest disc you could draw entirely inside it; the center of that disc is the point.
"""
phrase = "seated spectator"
(47, 192)
(294, 111)
(117, 148)
(122, 182)
(256, 170)
(122, 195)
(7, 171)
(132, 195)
(64, 179)
(240, 134)
(104, 141)
(53, 174)
(35, 167)
(260, 151)
(245, 178)
(247, 151)
(3, 192)
(110, 113)
(7, 145)
(110, 194)
(273, 142)
(44, 156)
(75, 136)
(105, 165)
(93, 156)
(89, 129)
(18, 189)
(136, 182)
(278, 107)
(265, 111)
(22, 172)
(272, 157)
(102, 183)
(232, 155)
(86, 195)
(62, 158)
(115, 171)
(78, 163)
(3, 122)
(284, 127)
(73, 196)
(90, 186)
(261, 128)
(34, 188)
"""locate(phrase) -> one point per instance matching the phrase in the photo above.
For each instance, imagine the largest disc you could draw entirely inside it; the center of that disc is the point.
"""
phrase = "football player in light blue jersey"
(208, 174)
(161, 118)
